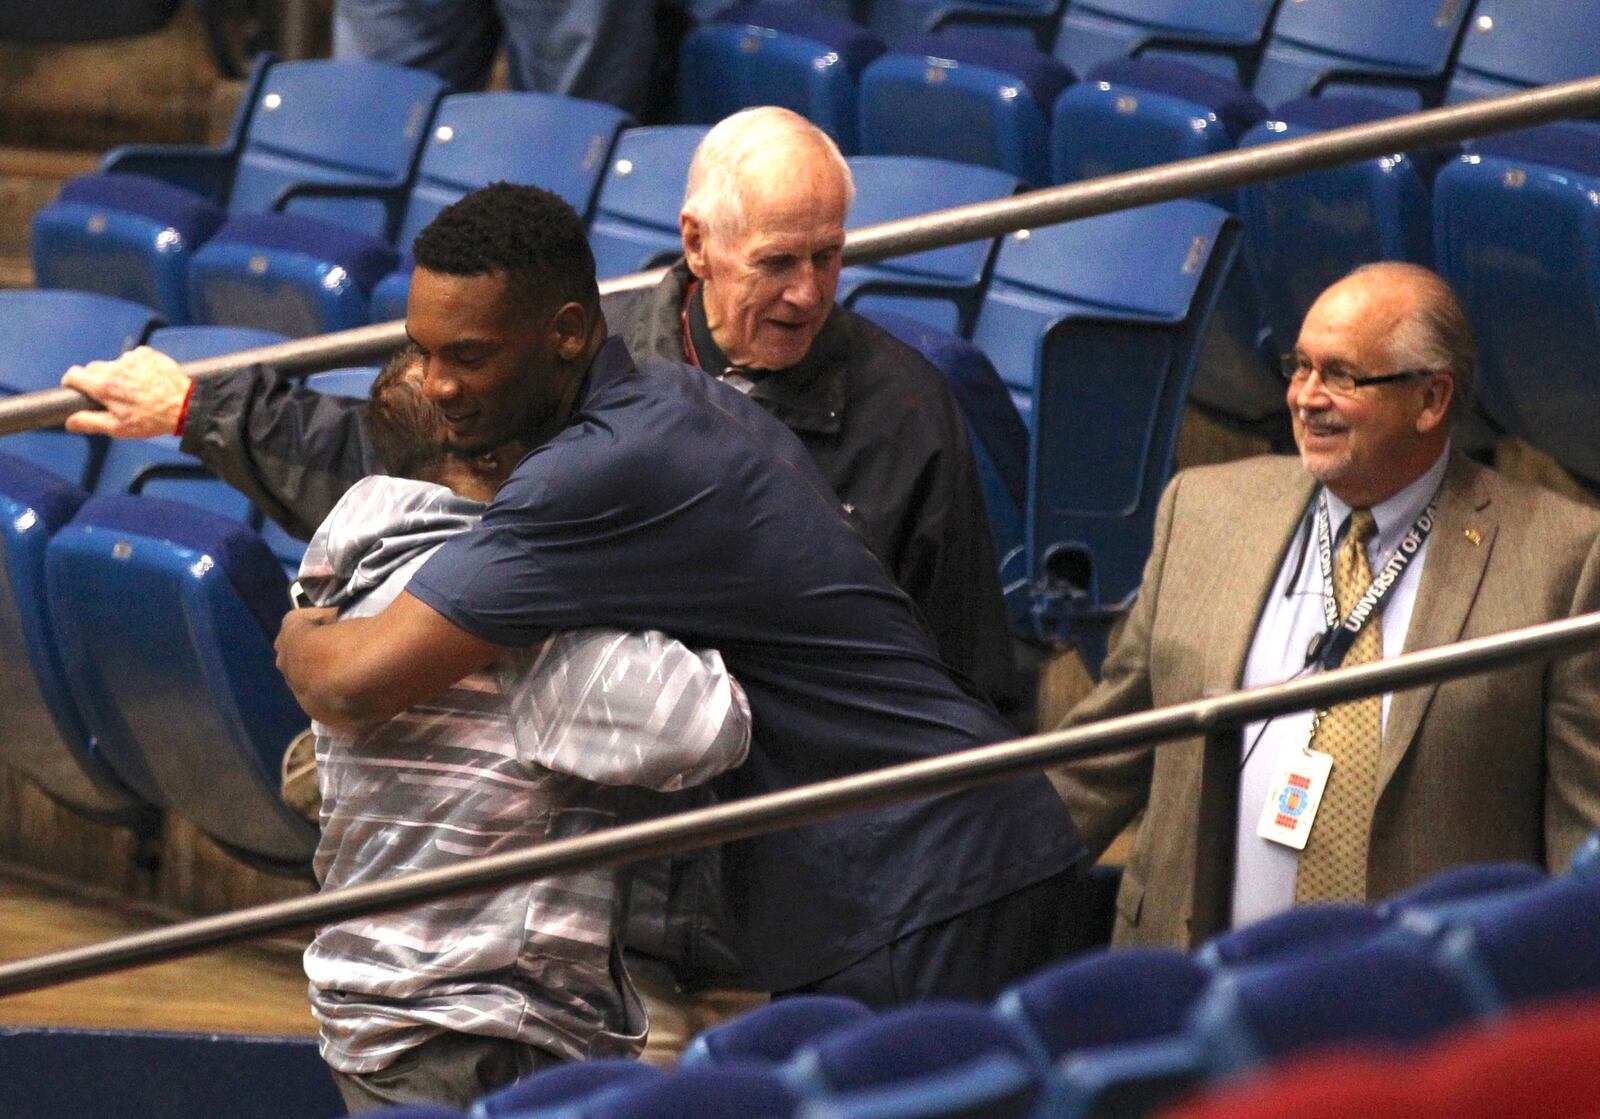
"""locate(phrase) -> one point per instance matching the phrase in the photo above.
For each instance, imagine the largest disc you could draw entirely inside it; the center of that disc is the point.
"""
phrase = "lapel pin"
(1473, 535)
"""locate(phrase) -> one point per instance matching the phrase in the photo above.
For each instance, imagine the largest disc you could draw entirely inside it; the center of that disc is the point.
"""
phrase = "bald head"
(763, 231)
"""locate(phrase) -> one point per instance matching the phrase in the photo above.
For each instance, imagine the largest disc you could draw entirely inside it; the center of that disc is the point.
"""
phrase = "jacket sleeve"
(1572, 733)
(292, 451)
(1104, 794)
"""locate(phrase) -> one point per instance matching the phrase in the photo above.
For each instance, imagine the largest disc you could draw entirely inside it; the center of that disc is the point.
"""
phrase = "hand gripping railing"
(691, 831)
(1204, 175)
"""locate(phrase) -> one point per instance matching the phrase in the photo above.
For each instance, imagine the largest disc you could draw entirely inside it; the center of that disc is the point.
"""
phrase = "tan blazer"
(1499, 766)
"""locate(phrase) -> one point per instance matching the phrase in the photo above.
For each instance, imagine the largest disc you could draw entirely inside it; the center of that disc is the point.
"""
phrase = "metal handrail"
(691, 831)
(1203, 175)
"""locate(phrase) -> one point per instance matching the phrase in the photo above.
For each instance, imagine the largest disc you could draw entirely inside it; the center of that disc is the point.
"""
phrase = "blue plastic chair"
(1398, 51)
(165, 615)
(1515, 231)
(156, 467)
(1304, 232)
(769, 1035)
(1120, 1081)
(933, 1059)
(563, 1091)
(1586, 859)
(1511, 46)
(635, 224)
(776, 54)
(1290, 934)
(963, 96)
(133, 228)
(42, 333)
(1109, 998)
(49, 741)
(1096, 326)
(1224, 36)
(999, 437)
(1544, 946)
(1460, 884)
(1032, 22)
(562, 144)
(735, 1092)
(941, 287)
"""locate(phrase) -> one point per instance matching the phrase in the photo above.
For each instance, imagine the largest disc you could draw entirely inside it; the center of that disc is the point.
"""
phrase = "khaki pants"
(452, 1069)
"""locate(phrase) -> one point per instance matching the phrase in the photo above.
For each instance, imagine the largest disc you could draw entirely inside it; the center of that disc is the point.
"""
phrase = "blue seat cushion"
(53, 500)
(366, 259)
(854, 45)
(1556, 145)
(1234, 106)
(1044, 75)
(240, 552)
(193, 216)
(1323, 113)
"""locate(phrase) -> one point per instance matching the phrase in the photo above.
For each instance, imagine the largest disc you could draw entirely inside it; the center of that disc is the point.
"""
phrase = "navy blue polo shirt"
(672, 502)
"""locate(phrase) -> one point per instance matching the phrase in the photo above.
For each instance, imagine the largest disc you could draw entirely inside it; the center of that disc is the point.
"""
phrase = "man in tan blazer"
(1499, 766)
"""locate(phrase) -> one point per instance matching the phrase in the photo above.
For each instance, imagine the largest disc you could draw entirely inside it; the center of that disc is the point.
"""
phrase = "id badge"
(1293, 798)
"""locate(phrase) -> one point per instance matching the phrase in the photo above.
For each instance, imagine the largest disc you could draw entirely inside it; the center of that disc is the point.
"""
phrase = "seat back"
(776, 54)
(635, 223)
(321, 121)
(770, 1034)
(559, 143)
(563, 1088)
(1544, 946)
(1225, 36)
(710, 1092)
(42, 333)
(1294, 932)
(47, 737)
(939, 286)
(1518, 237)
(1399, 51)
(971, 98)
(1304, 232)
(166, 616)
(1511, 46)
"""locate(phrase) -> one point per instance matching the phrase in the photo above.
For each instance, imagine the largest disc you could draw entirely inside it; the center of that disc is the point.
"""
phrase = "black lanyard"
(1335, 641)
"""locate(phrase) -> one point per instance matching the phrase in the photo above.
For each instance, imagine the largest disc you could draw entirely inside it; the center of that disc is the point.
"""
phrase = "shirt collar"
(1395, 515)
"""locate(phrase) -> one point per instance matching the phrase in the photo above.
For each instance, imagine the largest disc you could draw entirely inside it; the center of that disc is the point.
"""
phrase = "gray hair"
(1437, 336)
(715, 194)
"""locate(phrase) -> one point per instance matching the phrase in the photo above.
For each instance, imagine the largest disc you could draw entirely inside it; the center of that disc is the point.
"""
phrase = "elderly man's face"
(768, 288)
(1370, 444)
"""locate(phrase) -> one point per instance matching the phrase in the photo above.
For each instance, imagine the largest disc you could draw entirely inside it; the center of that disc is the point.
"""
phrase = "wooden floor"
(251, 990)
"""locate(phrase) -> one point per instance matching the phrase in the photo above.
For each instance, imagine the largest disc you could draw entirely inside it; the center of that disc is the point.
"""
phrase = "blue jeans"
(599, 49)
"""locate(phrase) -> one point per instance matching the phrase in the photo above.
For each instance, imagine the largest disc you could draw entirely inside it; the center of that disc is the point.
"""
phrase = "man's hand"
(142, 391)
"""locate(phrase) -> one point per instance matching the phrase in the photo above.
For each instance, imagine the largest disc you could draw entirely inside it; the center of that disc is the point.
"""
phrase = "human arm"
(143, 393)
(361, 671)
(1572, 733)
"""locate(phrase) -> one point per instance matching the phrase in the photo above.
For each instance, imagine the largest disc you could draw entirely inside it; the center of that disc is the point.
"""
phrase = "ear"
(569, 331)
(1437, 393)
(694, 242)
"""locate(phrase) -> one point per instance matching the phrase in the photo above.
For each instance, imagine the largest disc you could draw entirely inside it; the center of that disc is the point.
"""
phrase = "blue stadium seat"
(1515, 225)
(42, 333)
(47, 739)
(770, 1034)
(1586, 859)
(156, 467)
(1110, 998)
(1096, 326)
(1294, 932)
(941, 287)
(1132, 113)
(1398, 51)
(963, 96)
(999, 437)
(166, 616)
(1304, 232)
(735, 1092)
(776, 54)
(1224, 36)
(934, 1059)
(1545, 946)
(635, 224)
(562, 144)
(134, 227)
(1511, 46)
(559, 1092)
(1028, 21)
(1462, 883)
(1122, 1081)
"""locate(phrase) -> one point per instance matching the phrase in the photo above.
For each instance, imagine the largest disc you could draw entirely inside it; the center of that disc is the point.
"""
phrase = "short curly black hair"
(530, 234)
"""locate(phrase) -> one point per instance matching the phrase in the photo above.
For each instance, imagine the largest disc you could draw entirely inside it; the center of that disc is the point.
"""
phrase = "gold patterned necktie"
(1333, 867)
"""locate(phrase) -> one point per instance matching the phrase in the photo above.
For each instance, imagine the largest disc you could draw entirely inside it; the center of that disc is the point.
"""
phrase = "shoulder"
(1241, 484)
(1536, 516)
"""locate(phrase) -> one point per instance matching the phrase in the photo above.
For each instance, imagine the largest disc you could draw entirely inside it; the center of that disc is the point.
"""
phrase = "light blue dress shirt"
(1264, 872)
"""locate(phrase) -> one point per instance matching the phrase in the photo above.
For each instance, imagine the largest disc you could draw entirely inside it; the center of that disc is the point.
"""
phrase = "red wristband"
(183, 412)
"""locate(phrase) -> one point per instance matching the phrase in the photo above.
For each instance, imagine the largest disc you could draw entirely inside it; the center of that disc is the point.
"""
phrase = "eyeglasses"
(1296, 370)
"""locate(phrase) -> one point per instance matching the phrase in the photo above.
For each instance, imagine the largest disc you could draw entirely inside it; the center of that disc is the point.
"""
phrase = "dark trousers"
(452, 1069)
(977, 954)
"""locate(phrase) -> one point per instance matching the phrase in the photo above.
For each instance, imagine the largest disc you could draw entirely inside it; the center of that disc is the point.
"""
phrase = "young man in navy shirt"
(656, 498)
